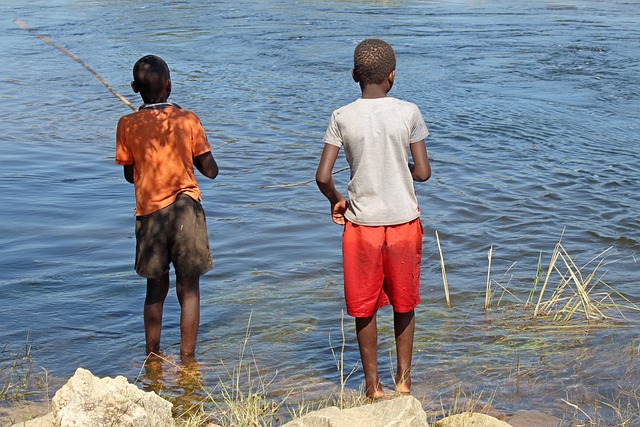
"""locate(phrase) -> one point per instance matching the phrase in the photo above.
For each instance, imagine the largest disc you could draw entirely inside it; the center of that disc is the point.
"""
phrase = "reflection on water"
(532, 110)
(179, 381)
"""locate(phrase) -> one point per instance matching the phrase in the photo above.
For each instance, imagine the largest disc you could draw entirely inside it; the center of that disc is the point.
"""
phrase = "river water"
(533, 109)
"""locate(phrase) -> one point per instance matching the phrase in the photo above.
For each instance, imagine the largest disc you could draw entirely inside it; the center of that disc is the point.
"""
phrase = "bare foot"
(403, 385)
(403, 389)
(375, 392)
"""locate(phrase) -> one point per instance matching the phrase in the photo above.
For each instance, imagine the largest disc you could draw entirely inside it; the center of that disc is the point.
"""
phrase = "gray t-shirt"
(376, 134)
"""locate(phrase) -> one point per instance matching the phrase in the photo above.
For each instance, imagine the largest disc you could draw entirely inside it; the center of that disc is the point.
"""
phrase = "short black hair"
(373, 61)
(150, 74)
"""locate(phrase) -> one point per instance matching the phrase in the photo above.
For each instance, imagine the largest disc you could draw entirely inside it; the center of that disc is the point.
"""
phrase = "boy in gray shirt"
(382, 238)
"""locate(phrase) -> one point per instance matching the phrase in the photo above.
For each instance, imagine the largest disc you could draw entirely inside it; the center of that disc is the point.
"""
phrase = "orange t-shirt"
(161, 144)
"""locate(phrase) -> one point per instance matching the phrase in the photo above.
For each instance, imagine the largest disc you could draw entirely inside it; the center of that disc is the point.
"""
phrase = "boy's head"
(151, 78)
(373, 61)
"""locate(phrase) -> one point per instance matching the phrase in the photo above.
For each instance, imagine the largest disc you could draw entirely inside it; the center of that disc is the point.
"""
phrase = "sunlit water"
(533, 109)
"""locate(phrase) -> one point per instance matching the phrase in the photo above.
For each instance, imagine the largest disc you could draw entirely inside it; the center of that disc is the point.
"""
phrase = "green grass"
(16, 369)
(23, 393)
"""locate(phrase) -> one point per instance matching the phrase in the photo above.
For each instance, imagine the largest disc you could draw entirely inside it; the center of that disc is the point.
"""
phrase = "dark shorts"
(176, 234)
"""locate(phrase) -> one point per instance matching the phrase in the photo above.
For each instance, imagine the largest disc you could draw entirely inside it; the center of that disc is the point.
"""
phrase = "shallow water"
(533, 113)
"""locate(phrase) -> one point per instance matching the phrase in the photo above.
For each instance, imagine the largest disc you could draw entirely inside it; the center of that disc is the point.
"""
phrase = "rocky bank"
(88, 401)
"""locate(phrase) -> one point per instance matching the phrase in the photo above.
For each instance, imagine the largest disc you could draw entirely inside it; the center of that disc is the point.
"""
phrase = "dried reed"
(487, 293)
(339, 360)
(578, 293)
(444, 272)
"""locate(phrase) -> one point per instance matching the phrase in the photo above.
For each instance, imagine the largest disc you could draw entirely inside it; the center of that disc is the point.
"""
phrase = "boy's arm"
(128, 173)
(206, 164)
(420, 168)
(326, 185)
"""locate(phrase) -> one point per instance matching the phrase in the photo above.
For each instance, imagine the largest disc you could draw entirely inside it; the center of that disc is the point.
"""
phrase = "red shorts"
(381, 267)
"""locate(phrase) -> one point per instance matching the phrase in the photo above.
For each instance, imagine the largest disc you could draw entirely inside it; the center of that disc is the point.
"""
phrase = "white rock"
(472, 419)
(400, 412)
(86, 400)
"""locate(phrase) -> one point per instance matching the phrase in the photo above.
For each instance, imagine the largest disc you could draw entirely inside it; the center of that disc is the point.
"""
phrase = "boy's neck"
(160, 100)
(373, 91)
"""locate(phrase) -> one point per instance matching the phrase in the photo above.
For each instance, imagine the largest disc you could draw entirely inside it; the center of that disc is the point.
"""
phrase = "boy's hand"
(325, 183)
(337, 211)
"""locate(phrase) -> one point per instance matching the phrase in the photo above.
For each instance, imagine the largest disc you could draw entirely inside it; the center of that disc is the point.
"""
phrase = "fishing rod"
(48, 41)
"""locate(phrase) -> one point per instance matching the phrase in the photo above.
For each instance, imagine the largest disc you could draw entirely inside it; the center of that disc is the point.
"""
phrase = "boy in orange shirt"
(382, 237)
(158, 146)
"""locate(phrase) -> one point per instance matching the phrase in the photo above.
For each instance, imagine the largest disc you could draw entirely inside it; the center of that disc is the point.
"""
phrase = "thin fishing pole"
(50, 42)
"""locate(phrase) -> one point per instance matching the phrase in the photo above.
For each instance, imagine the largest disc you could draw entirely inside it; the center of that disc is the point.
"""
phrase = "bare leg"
(157, 290)
(188, 290)
(367, 332)
(404, 325)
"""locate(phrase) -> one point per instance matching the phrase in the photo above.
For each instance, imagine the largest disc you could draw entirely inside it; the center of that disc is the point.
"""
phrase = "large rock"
(86, 400)
(533, 418)
(400, 412)
(43, 421)
(471, 419)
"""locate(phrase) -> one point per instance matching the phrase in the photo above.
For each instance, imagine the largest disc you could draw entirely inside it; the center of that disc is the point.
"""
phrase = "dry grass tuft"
(580, 291)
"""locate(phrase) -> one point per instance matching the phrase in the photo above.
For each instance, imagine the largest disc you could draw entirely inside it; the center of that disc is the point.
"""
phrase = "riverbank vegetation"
(565, 301)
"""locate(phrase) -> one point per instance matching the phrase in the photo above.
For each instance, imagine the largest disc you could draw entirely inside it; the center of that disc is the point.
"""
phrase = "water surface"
(533, 113)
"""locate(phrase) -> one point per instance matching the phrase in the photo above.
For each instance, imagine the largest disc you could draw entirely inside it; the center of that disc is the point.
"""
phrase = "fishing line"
(48, 41)
(296, 184)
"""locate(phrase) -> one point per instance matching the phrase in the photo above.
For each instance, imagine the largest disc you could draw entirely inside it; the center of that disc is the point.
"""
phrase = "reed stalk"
(536, 282)
(487, 294)
(444, 273)
(554, 258)
(578, 409)
(505, 289)
(339, 360)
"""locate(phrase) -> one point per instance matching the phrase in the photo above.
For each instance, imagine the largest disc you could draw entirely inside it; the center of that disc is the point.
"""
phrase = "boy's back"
(376, 135)
(162, 142)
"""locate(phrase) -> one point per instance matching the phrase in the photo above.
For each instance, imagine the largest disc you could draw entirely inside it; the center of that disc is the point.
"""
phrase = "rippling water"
(533, 110)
